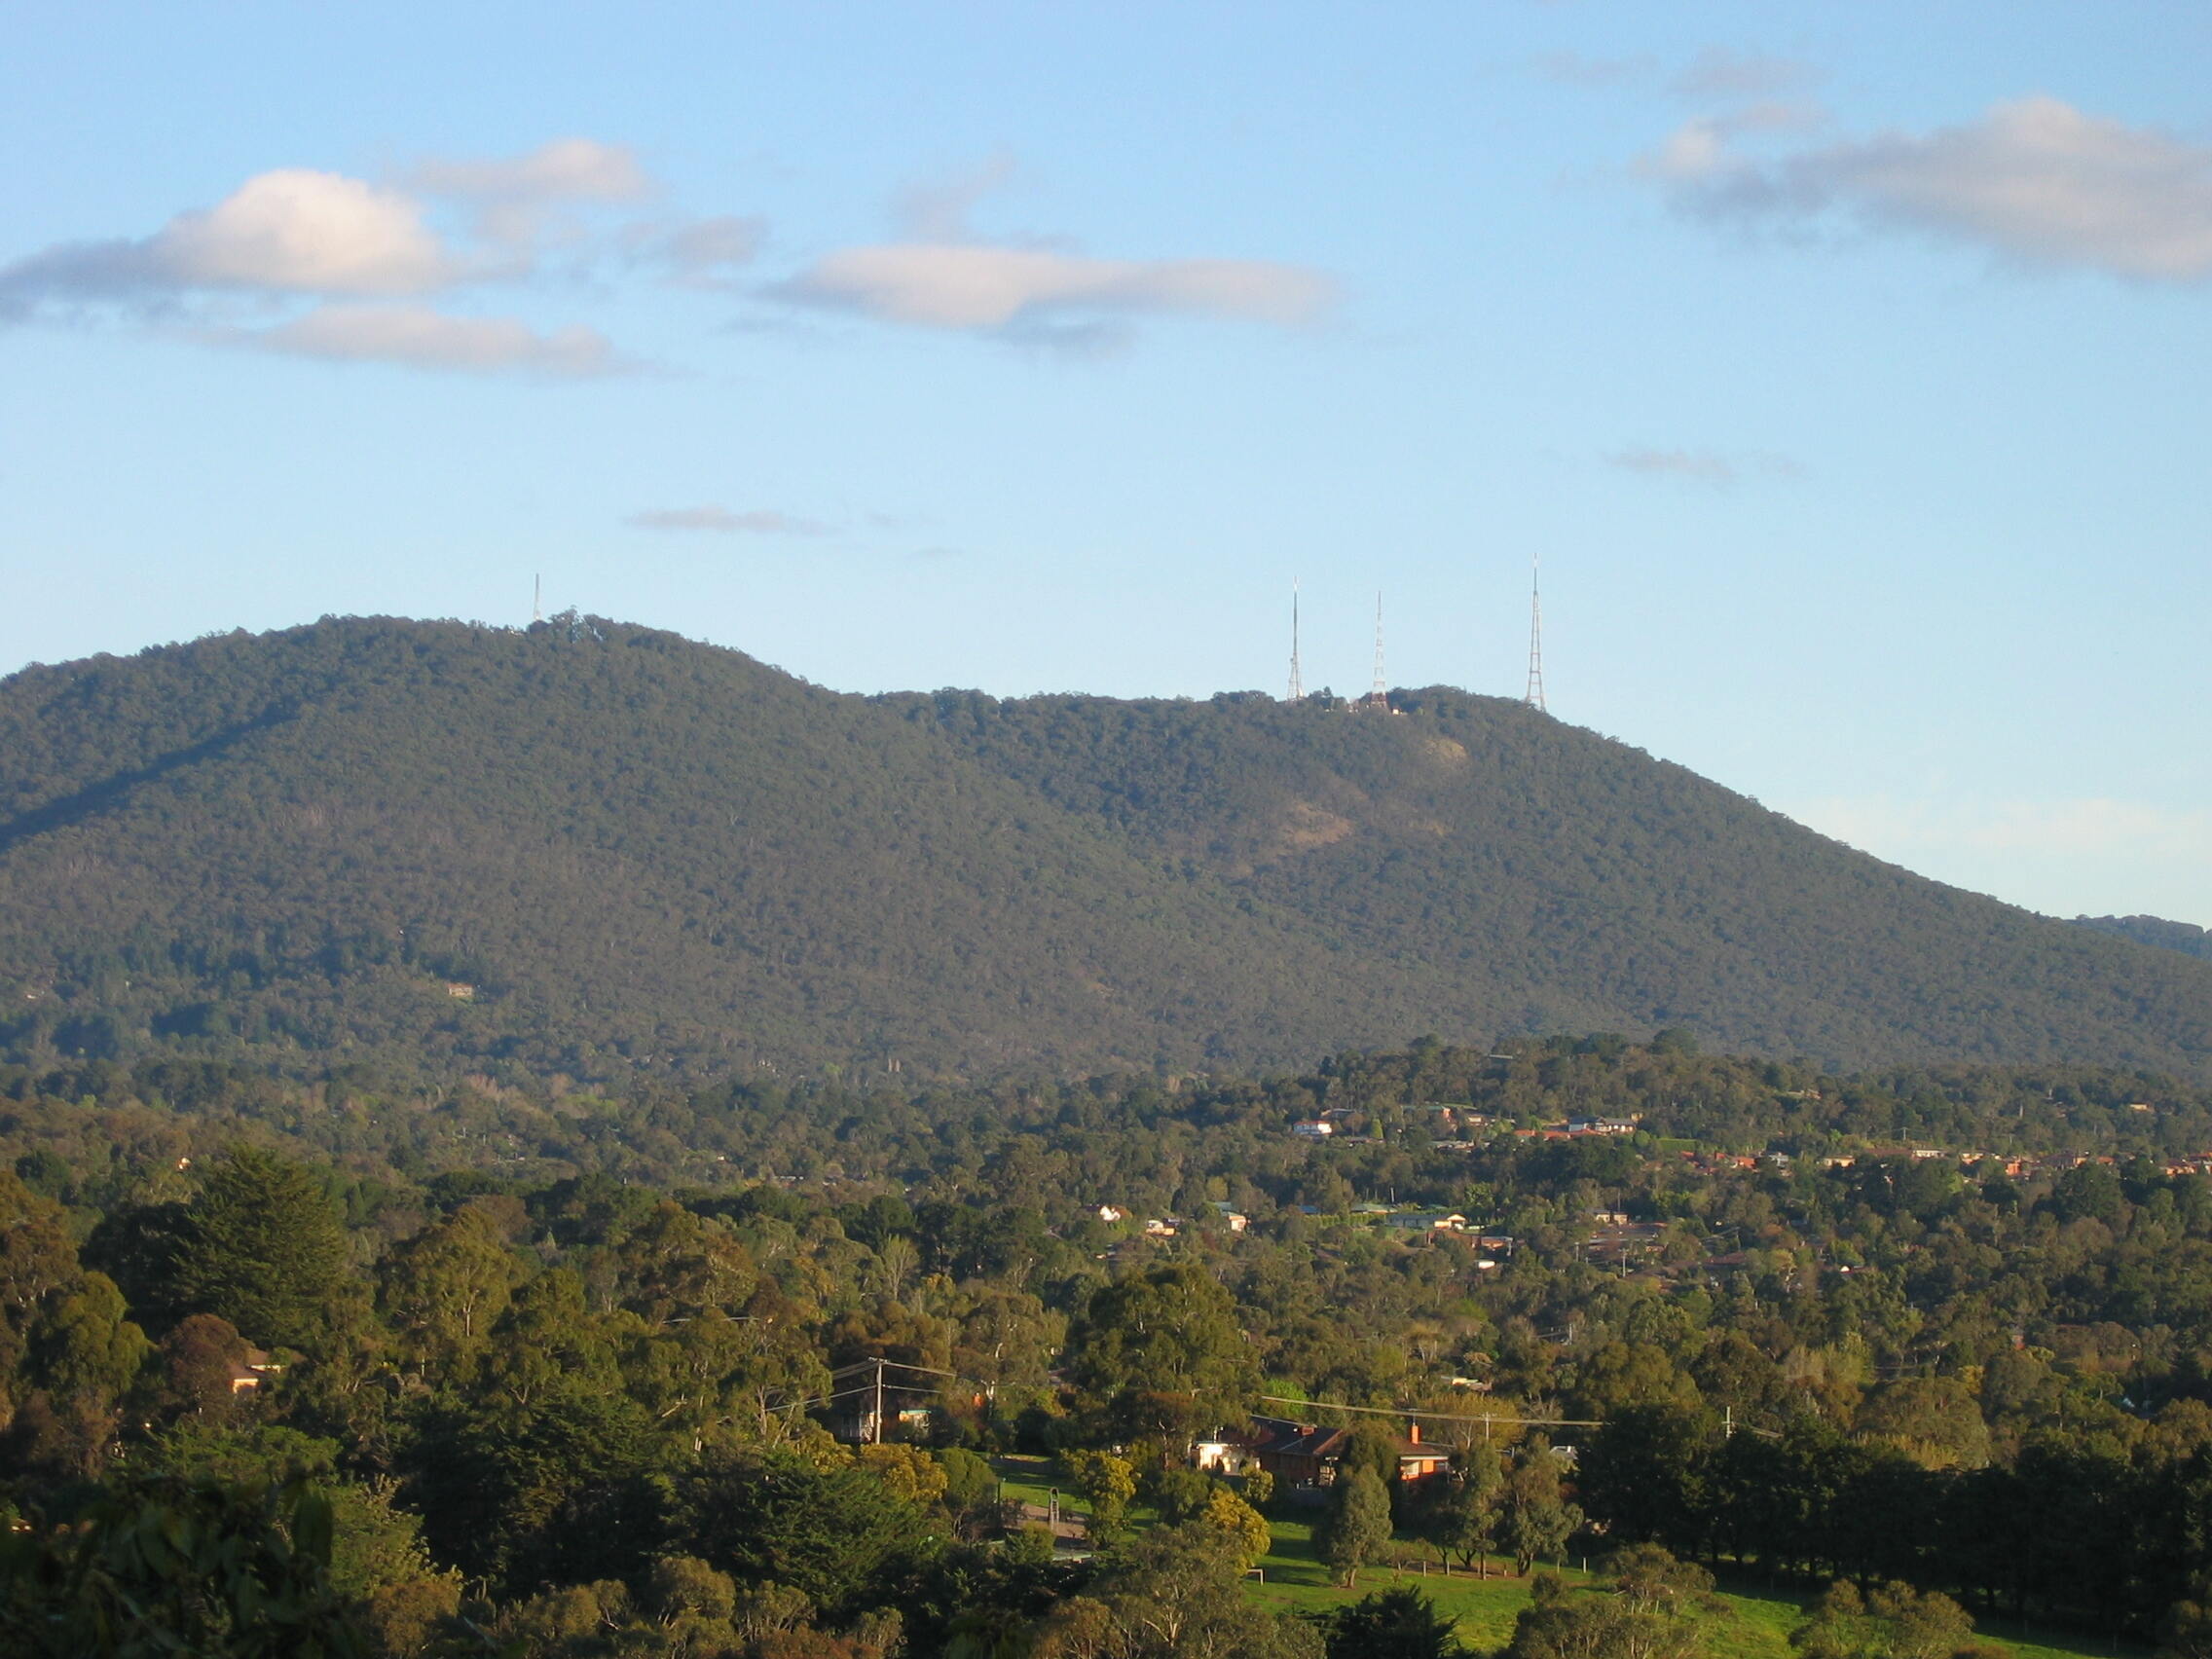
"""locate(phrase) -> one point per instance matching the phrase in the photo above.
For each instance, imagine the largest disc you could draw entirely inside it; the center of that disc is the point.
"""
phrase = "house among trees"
(1427, 1221)
(1307, 1455)
(251, 1369)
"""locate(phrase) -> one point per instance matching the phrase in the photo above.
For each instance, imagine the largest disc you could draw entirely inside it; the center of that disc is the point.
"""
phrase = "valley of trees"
(357, 1365)
(599, 852)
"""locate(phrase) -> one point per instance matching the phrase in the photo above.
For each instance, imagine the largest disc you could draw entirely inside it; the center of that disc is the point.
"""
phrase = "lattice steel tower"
(1536, 694)
(1297, 680)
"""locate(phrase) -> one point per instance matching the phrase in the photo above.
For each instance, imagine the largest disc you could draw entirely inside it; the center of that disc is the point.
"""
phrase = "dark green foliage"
(1177, 1494)
(1400, 1623)
(627, 853)
(2184, 937)
(838, 1534)
(262, 1247)
(1159, 1353)
(164, 1566)
(1355, 1526)
(561, 1488)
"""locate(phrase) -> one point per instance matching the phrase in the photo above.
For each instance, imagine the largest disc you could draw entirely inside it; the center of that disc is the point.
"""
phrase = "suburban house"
(248, 1374)
(1427, 1221)
(1306, 1455)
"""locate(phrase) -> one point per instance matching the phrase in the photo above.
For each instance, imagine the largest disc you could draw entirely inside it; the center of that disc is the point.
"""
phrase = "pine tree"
(263, 1248)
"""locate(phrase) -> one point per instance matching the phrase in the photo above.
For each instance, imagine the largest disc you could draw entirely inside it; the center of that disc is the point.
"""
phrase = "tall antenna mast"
(1382, 692)
(1297, 680)
(1535, 695)
(537, 599)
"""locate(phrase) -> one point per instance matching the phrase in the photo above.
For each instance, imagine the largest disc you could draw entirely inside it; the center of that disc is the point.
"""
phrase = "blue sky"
(1846, 366)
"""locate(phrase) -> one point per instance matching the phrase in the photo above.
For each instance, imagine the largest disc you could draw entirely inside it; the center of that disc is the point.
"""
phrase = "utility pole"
(879, 1400)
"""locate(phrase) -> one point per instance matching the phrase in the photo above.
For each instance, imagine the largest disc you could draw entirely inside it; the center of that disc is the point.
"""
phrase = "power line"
(1435, 1417)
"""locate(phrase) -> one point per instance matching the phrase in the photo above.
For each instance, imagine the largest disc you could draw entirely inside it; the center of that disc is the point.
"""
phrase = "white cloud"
(721, 521)
(293, 231)
(1700, 466)
(306, 231)
(960, 287)
(566, 169)
(419, 337)
(2034, 180)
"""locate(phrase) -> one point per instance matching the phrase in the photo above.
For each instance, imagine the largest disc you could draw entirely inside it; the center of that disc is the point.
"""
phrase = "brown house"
(1307, 1455)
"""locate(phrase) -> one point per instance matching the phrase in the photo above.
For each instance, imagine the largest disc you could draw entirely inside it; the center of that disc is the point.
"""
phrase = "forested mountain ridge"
(589, 848)
(2185, 937)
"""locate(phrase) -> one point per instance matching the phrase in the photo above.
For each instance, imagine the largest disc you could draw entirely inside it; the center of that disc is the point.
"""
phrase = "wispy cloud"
(563, 169)
(2035, 181)
(721, 521)
(1719, 73)
(1004, 289)
(698, 253)
(416, 337)
(942, 276)
(1701, 466)
(1574, 69)
(938, 210)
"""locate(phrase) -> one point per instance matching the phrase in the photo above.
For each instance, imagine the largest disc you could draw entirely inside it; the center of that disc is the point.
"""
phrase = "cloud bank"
(307, 263)
(2034, 181)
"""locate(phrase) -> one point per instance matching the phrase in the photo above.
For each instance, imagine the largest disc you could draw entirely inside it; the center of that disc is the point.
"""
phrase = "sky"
(1846, 368)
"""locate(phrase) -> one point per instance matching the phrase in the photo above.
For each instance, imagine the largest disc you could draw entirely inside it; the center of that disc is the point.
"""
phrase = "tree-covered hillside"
(588, 848)
(2185, 937)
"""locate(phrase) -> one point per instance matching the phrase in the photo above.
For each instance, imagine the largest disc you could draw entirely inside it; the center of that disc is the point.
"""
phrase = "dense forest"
(595, 851)
(354, 1365)
(2184, 937)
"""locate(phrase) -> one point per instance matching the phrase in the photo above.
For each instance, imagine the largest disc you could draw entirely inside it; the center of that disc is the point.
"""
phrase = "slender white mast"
(1297, 680)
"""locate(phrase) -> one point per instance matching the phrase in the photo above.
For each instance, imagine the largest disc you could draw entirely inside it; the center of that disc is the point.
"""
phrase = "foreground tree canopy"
(549, 1372)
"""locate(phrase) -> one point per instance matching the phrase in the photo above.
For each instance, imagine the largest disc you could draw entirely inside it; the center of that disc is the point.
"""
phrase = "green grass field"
(1757, 1625)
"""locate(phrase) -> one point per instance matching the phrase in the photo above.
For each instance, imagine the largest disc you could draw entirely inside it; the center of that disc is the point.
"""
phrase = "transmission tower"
(1535, 694)
(1381, 692)
(1297, 680)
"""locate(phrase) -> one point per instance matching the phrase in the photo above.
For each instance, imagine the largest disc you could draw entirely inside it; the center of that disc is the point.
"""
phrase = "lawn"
(1757, 1625)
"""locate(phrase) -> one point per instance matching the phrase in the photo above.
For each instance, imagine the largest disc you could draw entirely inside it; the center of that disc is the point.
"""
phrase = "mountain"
(589, 848)
(2184, 937)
